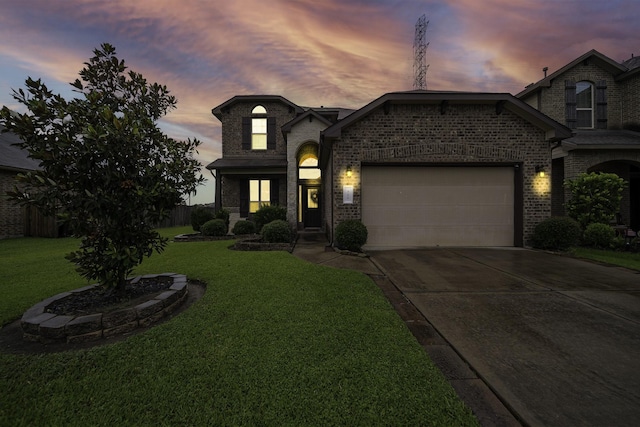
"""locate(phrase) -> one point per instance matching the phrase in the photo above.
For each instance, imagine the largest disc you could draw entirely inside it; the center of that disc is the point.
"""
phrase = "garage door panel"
(438, 206)
(394, 216)
(451, 235)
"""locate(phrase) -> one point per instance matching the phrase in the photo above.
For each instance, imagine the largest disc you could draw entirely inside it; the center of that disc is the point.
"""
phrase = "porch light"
(540, 171)
(349, 173)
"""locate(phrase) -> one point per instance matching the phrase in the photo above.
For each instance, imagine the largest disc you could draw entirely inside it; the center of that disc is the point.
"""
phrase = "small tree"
(595, 197)
(106, 168)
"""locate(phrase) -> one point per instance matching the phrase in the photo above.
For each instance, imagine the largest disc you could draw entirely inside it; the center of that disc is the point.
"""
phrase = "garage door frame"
(518, 186)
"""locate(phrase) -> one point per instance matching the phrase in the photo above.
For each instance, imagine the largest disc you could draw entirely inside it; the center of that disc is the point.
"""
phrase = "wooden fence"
(39, 225)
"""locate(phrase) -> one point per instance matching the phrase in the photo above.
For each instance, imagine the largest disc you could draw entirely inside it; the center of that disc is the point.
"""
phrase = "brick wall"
(468, 133)
(557, 187)
(232, 129)
(552, 99)
(11, 215)
(304, 132)
(630, 100)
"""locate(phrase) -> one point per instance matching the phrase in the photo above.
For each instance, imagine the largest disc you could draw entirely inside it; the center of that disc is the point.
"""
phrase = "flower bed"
(41, 323)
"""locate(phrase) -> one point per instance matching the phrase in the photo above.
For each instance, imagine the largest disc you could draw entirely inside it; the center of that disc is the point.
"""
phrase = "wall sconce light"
(349, 173)
(540, 171)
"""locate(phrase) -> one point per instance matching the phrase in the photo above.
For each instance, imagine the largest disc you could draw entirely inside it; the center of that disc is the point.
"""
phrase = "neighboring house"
(13, 160)
(418, 168)
(599, 99)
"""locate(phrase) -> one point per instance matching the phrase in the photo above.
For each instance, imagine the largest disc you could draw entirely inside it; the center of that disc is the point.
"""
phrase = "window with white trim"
(259, 128)
(584, 105)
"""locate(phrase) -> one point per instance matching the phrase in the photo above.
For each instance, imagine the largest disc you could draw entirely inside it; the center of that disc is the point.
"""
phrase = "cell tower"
(420, 55)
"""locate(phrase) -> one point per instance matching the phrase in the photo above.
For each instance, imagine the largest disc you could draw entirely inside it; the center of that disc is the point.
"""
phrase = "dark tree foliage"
(595, 197)
(107, 170)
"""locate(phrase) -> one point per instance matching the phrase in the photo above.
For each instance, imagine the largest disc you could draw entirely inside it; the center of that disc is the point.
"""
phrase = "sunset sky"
(339, 53)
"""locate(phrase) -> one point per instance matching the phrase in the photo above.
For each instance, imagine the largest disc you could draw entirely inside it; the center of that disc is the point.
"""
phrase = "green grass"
(623, 259)
(274, 341)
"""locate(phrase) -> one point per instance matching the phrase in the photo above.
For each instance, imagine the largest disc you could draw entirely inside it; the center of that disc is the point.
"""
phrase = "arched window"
(584, 105)
(308, 168)
(259, 128)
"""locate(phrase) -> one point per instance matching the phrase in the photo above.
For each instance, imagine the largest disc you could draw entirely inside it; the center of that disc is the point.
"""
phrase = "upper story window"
(259, 128)
(584, 105)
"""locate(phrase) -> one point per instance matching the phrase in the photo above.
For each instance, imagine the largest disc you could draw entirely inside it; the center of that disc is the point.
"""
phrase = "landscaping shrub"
(598, 235)
(200, 215)
(214, 227)
(277, 231)
(244, 227)
(351, 235)
(267, 214)
(595, 197)
(556, 233)
(223, 214)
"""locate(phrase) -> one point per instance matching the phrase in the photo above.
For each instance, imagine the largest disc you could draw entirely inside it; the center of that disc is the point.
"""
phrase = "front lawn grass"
(624, 259)
(274, 341)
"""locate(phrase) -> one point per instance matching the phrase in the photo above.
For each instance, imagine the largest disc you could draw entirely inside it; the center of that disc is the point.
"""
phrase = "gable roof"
(616, 69)
(217, 111)
(555, 130)
(12, 157)
(310, 115)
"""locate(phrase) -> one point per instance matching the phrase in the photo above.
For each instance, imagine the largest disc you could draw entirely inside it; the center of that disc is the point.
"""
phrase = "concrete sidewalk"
(476, 394)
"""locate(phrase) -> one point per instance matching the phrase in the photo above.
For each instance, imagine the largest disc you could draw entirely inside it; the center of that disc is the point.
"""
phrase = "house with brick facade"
(599, 100)
(13, 160)
(434, 168)
(270, 156)
(419, 168)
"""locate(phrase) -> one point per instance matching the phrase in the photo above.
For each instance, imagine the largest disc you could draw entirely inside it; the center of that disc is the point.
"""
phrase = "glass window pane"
(312, 198)
(265, 190)
(584, 96)
(259, 109)
(254, 190)
(253, 207)
(259, 142)
(309, 162)
(584, 119)
(309, 173)
(258, 125)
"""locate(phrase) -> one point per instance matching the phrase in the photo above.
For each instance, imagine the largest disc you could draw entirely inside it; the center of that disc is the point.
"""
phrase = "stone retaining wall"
(40, 326)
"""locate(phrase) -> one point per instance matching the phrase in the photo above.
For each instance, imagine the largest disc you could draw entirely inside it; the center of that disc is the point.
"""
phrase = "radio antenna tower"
(420, 55)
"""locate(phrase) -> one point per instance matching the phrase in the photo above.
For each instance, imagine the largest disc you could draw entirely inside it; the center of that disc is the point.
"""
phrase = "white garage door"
(406, 207)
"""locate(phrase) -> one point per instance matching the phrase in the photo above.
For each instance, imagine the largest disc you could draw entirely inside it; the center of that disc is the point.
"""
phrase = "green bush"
(214, 227)
(351, 235)
(595, 197)
(200, 215)
(277, 231)
(598, 235)
(556, 233)
(267, 214)
(223, 214)
(244, 227)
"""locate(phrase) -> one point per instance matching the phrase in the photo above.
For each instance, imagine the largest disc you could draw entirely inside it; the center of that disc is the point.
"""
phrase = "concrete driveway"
(556, 339)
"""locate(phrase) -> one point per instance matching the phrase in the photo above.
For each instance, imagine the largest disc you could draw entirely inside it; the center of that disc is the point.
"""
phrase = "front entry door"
(311, 216)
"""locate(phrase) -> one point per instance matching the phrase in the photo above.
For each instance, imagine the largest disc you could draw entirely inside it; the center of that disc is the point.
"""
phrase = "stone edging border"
(40, 326)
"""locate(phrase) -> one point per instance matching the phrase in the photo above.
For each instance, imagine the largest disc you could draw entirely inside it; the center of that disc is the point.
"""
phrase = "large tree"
(106, 169)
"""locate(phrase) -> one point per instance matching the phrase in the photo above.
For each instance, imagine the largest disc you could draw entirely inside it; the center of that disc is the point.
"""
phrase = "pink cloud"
(331, 53)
